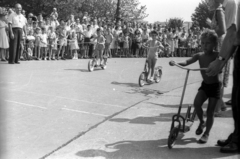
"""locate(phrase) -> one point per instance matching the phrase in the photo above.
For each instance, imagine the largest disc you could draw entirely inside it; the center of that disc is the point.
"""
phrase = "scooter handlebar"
(172, 63)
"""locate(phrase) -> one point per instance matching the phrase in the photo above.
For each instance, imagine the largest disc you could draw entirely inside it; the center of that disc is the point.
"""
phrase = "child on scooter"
(152, 55)
(100, 46)
(210, 87)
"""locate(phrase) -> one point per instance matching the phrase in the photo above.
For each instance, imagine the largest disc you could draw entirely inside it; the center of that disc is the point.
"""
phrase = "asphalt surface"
(59, 110)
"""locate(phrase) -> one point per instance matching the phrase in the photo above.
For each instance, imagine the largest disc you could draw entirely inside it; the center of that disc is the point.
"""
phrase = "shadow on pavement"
(81, 70)
(152, 149)
(171, 106)
(146, 120)
(126, 84)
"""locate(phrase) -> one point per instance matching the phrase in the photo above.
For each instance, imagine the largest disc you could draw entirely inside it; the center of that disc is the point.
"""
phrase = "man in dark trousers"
(230, 43)
(17, 24)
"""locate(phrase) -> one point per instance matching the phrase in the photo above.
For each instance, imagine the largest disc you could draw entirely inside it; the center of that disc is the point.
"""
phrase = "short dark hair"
(154, 32)
(211, 35)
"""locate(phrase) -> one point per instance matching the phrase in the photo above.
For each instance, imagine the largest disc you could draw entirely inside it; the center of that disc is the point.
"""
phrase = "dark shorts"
(86, 41)
(211, 90)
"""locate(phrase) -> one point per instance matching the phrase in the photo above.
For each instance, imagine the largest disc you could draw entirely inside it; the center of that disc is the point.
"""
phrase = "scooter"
(179, 122)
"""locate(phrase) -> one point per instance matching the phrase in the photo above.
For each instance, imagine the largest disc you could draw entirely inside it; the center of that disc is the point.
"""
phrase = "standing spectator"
(52, 43)
(109, 40)
(230, 43)
(38, 36)
(54, 13)
(44, 43)
(3, 36)
(86, 18)
(137, 43)
(87, 36)
(53, 22)
(17, 24)
(218, 24)
(62, 36)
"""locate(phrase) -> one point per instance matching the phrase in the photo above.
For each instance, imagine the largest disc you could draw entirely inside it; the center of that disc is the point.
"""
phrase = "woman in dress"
(4, 44)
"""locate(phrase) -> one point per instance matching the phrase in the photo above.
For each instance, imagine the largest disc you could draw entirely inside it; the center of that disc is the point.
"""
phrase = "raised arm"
(189, 61)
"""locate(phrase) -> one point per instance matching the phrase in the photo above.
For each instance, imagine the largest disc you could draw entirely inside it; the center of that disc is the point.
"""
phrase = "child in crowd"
(114, 44)
(30, 44)
(73, 43)
(210, 88)
(120, 43)
(44, 43)
(38, 42)
(126, 40)
(189, 43)
(153, 46)
(62, 37)
(52, 41)
(166, 48)
(109, 40)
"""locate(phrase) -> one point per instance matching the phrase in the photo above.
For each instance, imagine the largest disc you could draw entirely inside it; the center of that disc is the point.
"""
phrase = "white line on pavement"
(28, 105)
(73, 110)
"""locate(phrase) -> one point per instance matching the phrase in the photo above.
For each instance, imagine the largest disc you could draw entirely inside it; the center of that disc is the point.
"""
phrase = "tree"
(129, 9)
(132, 11)
(202, 12)
(175, 23)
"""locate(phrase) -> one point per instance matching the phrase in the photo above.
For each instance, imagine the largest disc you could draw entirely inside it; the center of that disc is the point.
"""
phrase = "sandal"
(223, 108)
(228, 102)
(200, 128)
(203, 139)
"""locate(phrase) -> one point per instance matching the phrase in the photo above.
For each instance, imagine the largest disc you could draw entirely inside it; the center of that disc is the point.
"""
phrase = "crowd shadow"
(153, 149)
(81, 70)
(170, 106)
(134, 85)
(145, 119)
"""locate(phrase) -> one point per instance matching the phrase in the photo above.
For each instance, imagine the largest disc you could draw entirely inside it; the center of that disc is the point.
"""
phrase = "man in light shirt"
(17, 23)
(229, 45)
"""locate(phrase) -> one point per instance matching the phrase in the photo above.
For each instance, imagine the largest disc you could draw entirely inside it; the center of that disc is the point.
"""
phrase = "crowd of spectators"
(52, 38)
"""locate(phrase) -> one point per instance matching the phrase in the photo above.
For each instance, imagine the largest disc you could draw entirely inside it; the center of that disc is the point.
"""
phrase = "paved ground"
(59, 110)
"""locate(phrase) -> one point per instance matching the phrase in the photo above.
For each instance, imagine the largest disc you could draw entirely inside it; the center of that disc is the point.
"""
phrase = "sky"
(160, 10)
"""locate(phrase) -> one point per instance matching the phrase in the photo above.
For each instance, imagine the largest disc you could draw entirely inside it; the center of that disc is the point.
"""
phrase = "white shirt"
(94, 28)
(232, 12)
(79, 28)
(17, 20)
(88, 34)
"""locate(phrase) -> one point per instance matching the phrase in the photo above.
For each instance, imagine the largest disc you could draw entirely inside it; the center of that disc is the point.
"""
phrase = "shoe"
(216, 114)
(17, 62)
(10, 62)
(223, 108)
(200, 128)
(203, 139)
(228, 102)
(3, 60)
(230, 148)
(223, 143)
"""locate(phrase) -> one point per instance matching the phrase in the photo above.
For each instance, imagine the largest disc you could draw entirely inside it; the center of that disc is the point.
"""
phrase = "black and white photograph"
(119, 79)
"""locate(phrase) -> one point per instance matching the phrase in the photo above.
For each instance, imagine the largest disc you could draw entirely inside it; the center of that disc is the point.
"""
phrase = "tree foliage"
(202, 12)
(175, 23)
(130, 9)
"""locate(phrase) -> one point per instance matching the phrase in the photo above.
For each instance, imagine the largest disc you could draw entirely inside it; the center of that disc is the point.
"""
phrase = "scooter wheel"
(90, 66)
(158, 76)
(141, 79)
(172, 137)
